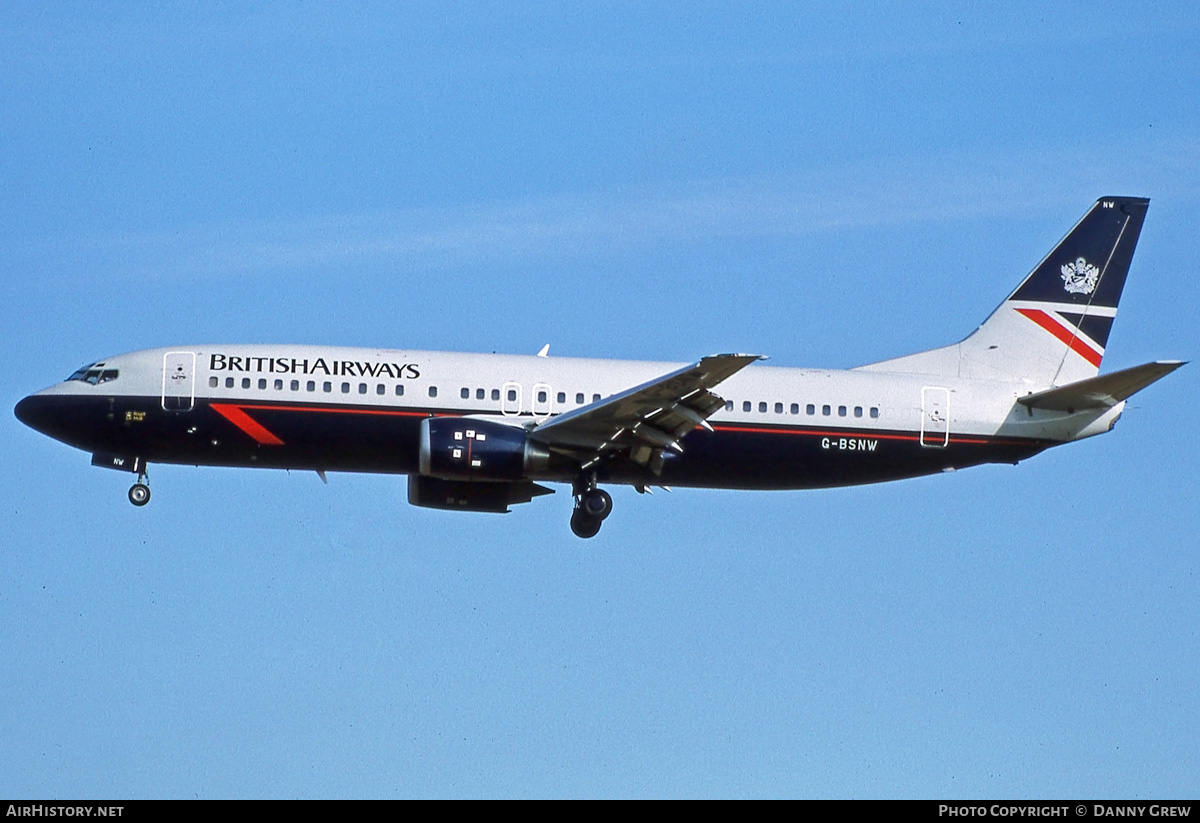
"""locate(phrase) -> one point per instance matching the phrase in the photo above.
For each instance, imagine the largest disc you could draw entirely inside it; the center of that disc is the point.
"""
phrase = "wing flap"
(645, 419)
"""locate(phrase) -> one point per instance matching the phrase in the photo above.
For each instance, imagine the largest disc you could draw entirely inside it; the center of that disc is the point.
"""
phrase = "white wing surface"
(642, 421)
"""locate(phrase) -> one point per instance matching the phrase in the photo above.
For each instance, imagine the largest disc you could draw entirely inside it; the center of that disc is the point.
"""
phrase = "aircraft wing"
(644, 420)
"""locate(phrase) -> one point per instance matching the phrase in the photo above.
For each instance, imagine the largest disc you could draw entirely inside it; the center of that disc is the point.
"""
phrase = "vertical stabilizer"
(1054, 328)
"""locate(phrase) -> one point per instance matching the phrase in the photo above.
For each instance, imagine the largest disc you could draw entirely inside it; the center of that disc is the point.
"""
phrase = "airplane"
(480, 432)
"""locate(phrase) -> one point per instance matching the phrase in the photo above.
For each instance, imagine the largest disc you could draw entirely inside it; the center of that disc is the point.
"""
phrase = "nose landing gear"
(139, 492)
(592, 505)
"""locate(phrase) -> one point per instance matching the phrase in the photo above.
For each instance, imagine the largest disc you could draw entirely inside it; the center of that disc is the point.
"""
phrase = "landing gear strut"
(592, 505)
(139, 492)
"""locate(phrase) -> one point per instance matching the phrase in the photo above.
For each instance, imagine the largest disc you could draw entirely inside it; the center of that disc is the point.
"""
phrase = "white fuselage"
(478, 432)
(848, 414)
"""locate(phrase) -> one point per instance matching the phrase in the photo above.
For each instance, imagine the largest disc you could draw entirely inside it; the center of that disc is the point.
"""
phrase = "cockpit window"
(95, 374)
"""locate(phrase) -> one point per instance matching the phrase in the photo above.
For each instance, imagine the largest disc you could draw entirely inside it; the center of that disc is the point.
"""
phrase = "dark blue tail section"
(1088, 267)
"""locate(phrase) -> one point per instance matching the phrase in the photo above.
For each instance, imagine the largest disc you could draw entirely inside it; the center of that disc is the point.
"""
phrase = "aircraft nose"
(30, 411)
(73, 420)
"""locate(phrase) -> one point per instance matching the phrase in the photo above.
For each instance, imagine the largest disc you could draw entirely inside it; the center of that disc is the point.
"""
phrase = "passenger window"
(311, 385)
(562, 397)
(541, 397)
(728, 405)
(433, 391)
(245, 382)
(479, 394)
(512, 395)
(345, 388)
(465, 393)
(295, 385)
(229, 382)
(762, 407)
(380, 388)
(595, 398)
(212, 382)
(747, 405)
(779, 408)
(810, 409)
(495, 394)
(262, 382)
(399, 389)
(874, 413)
(795, 408)
(858, 411)
(278, 384)
(826, 410)
(579, 398)
(327, 387)
(841, 411)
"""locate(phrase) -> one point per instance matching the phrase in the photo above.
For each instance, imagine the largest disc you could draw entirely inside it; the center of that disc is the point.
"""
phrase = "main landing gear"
(139, 492)
(592, 505)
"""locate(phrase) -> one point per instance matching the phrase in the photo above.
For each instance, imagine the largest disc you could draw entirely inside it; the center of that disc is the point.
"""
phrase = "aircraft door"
(935, 416)
(179, 381)
(510, 399)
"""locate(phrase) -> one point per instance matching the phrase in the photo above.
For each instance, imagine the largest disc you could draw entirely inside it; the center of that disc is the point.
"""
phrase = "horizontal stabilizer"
(1101, 392)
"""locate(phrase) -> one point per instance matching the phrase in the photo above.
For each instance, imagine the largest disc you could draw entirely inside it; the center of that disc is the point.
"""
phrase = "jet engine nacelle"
(458, 495)
(463, 448)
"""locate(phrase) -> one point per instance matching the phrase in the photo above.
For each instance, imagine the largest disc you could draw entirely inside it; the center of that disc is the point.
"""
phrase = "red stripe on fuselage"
(235, 413)
(327, 410)
(865, 434)
(246, 423)
(815, 432)
(1073, 342)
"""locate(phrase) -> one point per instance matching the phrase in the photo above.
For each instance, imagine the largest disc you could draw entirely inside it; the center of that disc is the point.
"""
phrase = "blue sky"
(829, 185)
